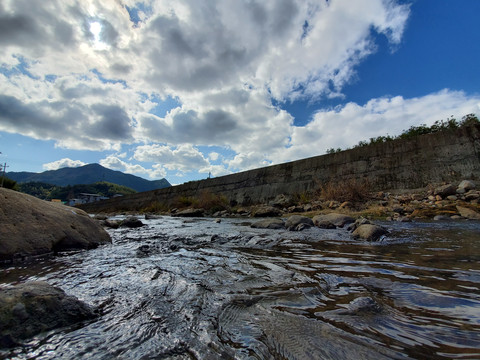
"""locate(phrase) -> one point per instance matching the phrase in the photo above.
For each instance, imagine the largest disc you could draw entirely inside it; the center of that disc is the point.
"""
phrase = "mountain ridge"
(88, 174)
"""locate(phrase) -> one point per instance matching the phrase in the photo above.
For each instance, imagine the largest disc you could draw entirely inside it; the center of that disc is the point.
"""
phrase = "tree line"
(439, 125)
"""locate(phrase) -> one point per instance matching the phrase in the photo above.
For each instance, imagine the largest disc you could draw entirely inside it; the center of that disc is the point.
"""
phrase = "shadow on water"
(197, 289)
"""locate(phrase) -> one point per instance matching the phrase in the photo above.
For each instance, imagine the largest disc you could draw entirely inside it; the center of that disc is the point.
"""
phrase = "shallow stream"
(197, 289)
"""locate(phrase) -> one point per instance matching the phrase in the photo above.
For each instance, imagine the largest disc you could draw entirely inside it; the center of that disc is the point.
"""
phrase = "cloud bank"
(92, 75)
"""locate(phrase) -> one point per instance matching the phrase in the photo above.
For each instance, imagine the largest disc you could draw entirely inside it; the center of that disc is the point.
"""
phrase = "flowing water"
(197, 289)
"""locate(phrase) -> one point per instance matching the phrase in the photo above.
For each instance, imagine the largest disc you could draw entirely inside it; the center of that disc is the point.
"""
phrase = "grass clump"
(350, 190)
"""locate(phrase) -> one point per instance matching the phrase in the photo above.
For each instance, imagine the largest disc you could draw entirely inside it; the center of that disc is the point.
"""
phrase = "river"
(196, 289)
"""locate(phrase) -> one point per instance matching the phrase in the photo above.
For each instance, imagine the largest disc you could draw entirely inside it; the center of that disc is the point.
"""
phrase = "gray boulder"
(369, 232)
(465, 186)
(30, 226)
(31, 308)
(269, 224)
(294, 222)
(339, 220)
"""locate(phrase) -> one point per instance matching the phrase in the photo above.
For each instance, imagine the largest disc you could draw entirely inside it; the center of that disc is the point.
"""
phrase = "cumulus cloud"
(346, 125)
(183, 158)
(89, 75)
(114, 162)
(65, 162)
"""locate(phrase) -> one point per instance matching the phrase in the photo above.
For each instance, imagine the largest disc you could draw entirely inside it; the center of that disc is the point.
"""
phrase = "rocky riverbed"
(196, 288)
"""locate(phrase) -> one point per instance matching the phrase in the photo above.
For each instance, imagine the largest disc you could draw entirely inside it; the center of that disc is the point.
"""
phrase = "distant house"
(85, 198)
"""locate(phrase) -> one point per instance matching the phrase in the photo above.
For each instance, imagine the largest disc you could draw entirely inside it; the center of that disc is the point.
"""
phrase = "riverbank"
(452, 201)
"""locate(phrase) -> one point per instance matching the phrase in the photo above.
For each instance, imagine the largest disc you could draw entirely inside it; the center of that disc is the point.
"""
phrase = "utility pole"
(3, 173)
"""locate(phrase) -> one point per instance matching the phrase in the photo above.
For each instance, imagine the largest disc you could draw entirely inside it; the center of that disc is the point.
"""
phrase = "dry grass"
(349, 190)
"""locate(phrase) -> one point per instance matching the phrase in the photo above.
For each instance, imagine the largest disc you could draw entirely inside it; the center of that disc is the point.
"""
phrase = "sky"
(188, 89)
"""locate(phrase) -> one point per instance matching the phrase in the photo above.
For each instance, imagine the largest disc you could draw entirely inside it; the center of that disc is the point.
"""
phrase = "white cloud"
(347, 125)
(84, 75)
(65, 162)
(184, 158)
(213, 156)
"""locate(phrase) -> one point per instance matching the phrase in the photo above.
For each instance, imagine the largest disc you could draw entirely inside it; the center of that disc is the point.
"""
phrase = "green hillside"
(48, 191)
(88, 174)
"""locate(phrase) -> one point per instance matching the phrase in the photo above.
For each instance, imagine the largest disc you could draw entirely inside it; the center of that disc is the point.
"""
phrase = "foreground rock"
(369, 232)
(31, 308)
(30, 226)
(269, 224)
(339, 220)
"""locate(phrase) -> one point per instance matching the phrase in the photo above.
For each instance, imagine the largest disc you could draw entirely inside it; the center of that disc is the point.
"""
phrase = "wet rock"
(295, 220)
(369, 232)
(267, 211)
(445, 190)
(300, 227)
(325, 224)
(30, 226)
(152, 217)
(362, 305)
(100, 217)
(361, 221)
(31, 308)
(468, 213)
(339, 220)
(131, 222)
(218, 220)
(190, 213)
(269, 224)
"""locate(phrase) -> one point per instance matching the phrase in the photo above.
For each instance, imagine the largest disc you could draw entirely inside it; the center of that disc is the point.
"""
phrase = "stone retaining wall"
(404, 164)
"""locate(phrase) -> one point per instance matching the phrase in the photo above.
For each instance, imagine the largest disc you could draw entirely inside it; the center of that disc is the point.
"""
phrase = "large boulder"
(31, 308)
(369, 232)
(339, 220)
(30, 226)
(298, 222)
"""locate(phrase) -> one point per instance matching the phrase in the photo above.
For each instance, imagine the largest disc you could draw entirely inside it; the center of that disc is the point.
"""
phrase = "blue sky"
(181, 89)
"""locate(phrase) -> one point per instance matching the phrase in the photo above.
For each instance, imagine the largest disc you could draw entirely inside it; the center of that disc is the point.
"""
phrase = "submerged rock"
(362, 305)
(31, 308)
(30, 226)
(269, 224)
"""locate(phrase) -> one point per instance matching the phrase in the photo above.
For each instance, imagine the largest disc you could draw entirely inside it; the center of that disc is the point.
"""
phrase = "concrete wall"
(448, 156)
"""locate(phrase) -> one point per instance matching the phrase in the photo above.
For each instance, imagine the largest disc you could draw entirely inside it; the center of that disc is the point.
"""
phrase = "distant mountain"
(88, 174)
